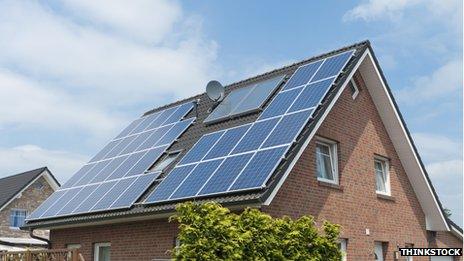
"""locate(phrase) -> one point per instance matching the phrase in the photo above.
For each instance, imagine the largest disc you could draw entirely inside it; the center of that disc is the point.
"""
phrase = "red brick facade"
(359, 132)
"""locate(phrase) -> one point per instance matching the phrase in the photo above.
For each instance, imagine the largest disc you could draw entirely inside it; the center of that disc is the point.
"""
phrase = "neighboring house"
(321, 137)
(20, 194)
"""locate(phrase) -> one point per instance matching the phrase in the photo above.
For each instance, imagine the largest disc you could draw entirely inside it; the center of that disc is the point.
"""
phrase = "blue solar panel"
(147, 120)
(303, 75)
(97, 194)
(164, 115)
(108, 170)
(312, 95)
(78, 175)
(180, 113)
(199, 150)
(146, 161)
(141, 138)
(135, 190)
(81, 196)
(92, 173)
(332, 66)
(196, 179)
(261, 166)
(122, 166)
(120, 147)
(226, 174)
(46, 204)
(256, 135)
(110, 146)
(227, 142)
(175, 132)
(164, 190)
(154, 137)
(288, 129)
(113, 194)
(280, 103)
(129, 128)
(68, 195)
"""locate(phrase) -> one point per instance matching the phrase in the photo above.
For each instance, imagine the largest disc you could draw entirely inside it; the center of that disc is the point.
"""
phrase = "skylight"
(244, 100)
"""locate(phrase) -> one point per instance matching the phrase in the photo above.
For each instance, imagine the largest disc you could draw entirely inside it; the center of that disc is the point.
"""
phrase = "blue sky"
(73, 73)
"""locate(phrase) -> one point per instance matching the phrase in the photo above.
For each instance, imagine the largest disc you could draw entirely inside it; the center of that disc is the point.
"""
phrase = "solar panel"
(245, 100)
(244, 157)
(123, 162)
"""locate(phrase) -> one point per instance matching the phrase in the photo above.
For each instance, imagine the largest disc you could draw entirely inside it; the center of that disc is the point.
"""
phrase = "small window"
(342, 245)
(382, 177)
(409, 258)
(17, 217)
(38, 185)
(102, 252)
(163, 164)
(353, 88)
(326, 161)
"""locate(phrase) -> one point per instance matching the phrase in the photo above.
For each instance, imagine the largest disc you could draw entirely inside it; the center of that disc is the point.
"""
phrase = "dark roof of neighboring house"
(10, 186)
(198, 129)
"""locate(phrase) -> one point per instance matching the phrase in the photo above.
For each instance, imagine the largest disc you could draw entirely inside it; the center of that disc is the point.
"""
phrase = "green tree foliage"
(211, 232)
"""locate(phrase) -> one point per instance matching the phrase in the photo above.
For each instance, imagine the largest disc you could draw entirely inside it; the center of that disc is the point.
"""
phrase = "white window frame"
(17, 210)
(343, 245)
(386, 166)
(355, 86)
(333, 158)
(96, 249)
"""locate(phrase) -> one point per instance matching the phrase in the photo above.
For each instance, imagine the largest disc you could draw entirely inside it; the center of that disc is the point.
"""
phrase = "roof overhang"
(388, 110)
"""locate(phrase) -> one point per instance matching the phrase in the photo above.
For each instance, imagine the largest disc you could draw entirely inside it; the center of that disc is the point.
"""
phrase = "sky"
(73, 73)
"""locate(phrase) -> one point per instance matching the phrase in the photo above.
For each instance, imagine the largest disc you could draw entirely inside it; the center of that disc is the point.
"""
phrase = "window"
(160, 166)
(102, 252)
(342, 245)
(17, 217)
(353, 88)
(409, 258)
(382, 177)
(326, 161)
(38, 185)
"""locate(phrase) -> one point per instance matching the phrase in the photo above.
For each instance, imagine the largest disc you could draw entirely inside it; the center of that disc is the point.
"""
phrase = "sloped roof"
(198, 129)
(10, 186)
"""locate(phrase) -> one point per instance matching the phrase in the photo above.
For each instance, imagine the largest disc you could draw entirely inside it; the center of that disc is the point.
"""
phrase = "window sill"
(329, 185)
(386, 197)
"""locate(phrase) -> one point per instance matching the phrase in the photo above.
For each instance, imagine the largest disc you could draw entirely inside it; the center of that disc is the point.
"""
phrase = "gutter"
(31, 234)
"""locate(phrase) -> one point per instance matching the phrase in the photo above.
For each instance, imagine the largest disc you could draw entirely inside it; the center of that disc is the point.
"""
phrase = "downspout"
(31, 234)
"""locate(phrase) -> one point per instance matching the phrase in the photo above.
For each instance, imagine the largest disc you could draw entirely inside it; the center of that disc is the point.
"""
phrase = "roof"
(24, 241)
(188, 139)
(12, 185)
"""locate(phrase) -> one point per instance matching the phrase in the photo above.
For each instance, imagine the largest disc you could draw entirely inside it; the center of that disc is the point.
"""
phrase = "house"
(321, 137)
(20, 194)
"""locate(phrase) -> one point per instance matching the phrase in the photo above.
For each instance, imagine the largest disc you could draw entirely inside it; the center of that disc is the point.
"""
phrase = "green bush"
(211, 232)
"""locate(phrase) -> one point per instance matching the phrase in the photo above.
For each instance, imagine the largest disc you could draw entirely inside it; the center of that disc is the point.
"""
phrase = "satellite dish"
(215, 91)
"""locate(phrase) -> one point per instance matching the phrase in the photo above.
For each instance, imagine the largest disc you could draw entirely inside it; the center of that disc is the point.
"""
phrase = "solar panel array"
(116, 177)
(244, 157)
(245, 99)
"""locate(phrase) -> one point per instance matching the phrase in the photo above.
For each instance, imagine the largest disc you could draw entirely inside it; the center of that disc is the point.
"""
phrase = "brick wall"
(357, 128)
(360, 134)
(30, 199)
(144, 240)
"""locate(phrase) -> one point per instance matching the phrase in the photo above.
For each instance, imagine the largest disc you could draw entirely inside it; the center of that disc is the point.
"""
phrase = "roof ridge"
(258, 76)
(26, 172)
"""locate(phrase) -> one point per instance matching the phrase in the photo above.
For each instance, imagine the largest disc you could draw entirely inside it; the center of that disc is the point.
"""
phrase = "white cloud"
(450, 170)
(441, 83)
(393, 10)
(46, 45)
(433, 147)
(26, 157)
(26, 103)
(146, 20)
